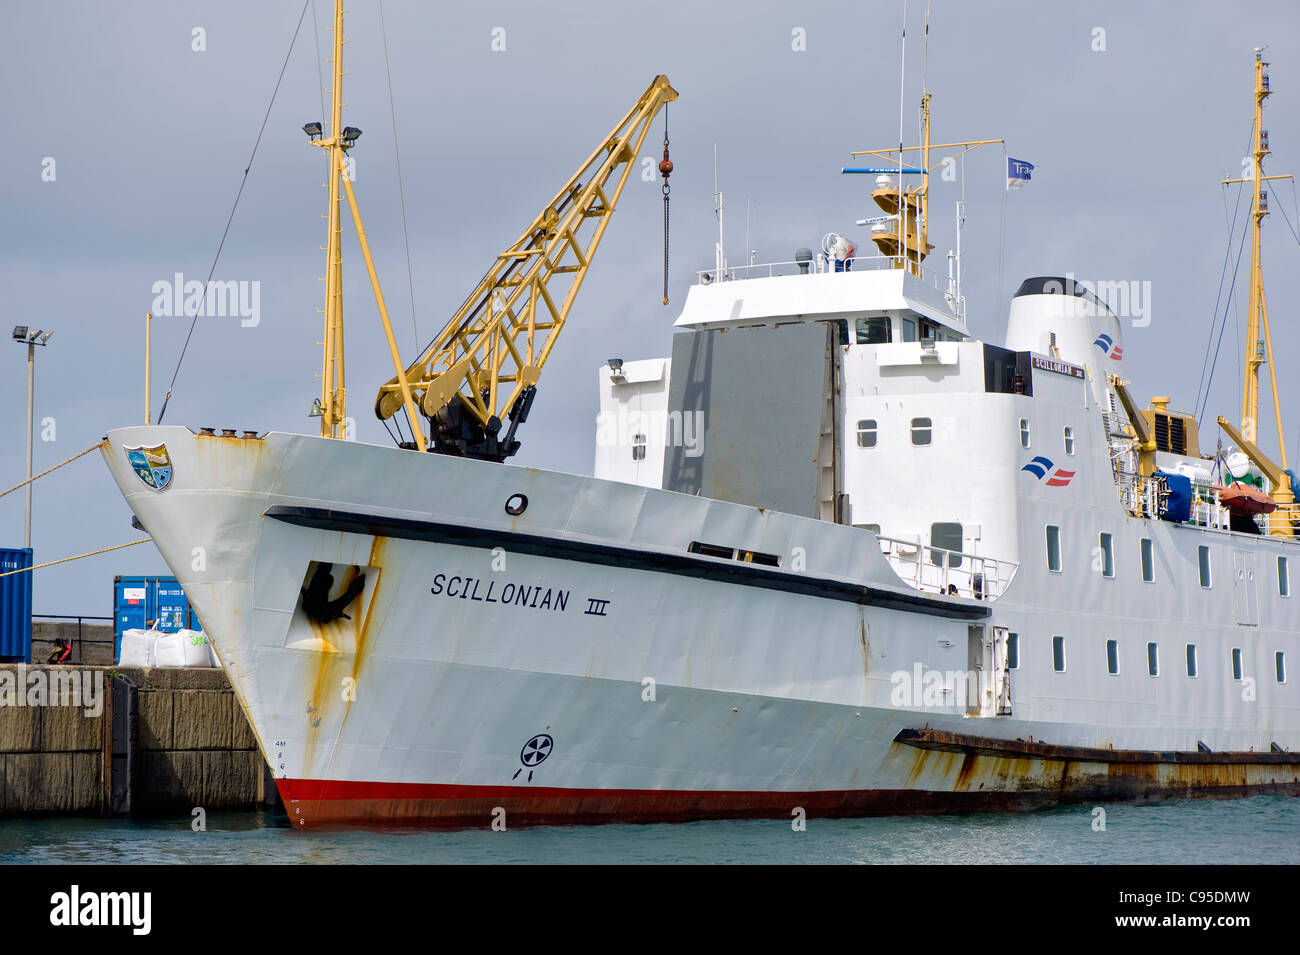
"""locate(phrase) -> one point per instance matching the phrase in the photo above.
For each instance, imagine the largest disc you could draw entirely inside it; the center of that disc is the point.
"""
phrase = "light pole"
(31, 339)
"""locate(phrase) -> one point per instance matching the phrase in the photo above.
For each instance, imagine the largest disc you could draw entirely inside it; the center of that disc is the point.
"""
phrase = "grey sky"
(150, 139)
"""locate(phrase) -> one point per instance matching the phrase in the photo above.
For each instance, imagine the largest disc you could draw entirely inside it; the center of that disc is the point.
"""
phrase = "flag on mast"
(1017, 173)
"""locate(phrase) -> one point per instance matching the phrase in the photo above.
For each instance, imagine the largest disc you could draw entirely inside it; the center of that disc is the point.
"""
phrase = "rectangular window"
(1153, 659)
(1053, 548)
(1013, 651)
(1107, 556)
(1148, 561)
(1112, 656)
(921, 428)
(758, 557)
(1058, 654)
(638, 447)
(1069, 441)
(1191, 659)
(1203, 561)
(1283, 578)
(909, 329)
(945, 536)
(872, 331)
(1024, 432)
(1236, 663)
(1279, 667)
(867, 433)
(711, 550)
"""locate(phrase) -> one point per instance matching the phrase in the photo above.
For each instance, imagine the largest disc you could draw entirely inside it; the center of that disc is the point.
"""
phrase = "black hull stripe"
(1035, 749)
(613, 555)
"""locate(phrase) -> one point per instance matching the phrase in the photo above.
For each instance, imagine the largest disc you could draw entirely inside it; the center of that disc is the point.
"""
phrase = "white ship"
(839, 556)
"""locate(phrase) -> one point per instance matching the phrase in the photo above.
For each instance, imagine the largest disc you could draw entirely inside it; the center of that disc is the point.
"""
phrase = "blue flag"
(1018, 173)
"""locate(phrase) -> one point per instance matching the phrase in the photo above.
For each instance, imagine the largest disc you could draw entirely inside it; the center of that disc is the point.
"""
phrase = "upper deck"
(816, 291)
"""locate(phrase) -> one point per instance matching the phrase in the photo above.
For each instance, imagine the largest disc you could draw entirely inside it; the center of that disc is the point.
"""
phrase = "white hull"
(771, 689)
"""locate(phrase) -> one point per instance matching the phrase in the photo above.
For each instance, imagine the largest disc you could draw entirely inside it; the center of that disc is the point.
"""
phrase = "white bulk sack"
(138, 648)
(195, 645)
(169, 650)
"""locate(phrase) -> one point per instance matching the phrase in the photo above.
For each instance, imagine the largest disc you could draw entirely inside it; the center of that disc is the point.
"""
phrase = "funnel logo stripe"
(1108, 347)
(1040, 467)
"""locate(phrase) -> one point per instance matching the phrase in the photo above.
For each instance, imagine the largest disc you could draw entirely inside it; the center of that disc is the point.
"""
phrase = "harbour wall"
(87, 740)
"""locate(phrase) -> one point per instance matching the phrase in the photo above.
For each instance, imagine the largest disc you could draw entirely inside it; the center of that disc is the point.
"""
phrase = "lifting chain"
(665, 169)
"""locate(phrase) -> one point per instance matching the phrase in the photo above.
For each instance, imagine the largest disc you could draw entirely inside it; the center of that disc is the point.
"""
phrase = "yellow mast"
(909, 241)
(925, 166)
(148, 327)
(333, 394)
(1257, 352)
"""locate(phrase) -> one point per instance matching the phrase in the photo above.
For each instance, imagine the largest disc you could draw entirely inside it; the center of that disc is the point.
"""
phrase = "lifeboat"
(1244, 499)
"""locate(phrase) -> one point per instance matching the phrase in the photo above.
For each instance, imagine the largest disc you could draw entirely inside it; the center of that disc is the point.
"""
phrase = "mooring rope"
(21, 484)
(64, 560)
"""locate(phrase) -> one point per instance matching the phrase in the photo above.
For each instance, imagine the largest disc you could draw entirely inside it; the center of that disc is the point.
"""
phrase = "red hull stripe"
(311, 802)
(329, 802)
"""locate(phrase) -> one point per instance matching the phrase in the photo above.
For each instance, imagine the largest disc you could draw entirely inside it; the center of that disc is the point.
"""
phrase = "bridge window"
(945, 536)
(1024, 432)
(1053, 548)
(638, 447)
(872, 331)
(867, 433)
(1191, 659)
(1058, 654)
(1107, 555)
(1203, 561)
(1112, 656)
(1148, 561)
(1283, 578)
(1153, 659)
(1236, 664)
(1069, 441)
(909, 329)
(921, 431)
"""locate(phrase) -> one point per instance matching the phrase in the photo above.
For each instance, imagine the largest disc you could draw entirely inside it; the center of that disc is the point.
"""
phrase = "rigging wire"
(320, 74)
(401, 192)
(1214, 317)
(1223, 273)
(231, 218)
(1282, 209)
(1240, 247)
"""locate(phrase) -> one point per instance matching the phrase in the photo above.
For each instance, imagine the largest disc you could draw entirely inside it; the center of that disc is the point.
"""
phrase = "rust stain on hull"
(1028, 774)
(351, 641)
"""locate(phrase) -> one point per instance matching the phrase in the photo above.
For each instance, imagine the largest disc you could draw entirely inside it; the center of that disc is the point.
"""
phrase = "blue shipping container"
(138, 601)
(15, 606)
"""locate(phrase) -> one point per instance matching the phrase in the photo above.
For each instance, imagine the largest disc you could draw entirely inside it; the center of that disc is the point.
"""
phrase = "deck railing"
(819, 265)
(942, 571)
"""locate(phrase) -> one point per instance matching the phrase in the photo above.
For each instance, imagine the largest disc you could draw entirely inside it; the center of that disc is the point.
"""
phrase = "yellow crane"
(482, 368)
